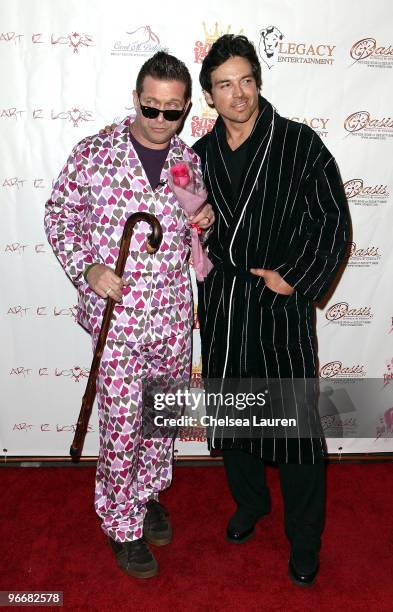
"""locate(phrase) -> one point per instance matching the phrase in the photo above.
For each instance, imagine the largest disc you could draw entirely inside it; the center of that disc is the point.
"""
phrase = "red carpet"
(51, 539)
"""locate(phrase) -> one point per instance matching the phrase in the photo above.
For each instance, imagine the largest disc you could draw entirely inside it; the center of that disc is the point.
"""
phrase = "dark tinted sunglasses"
(152, 113)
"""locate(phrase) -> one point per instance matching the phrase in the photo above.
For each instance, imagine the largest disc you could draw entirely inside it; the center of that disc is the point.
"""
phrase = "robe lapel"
(257, 154)
(218, 176)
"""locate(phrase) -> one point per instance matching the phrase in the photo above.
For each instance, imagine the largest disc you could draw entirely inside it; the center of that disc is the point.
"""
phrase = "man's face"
(165, 95)
(234, 92)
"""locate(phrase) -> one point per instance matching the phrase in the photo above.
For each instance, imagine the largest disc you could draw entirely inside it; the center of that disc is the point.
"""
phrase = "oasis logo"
(274, 49)
(363, 257)
(336, 369)
(367, 51)
(343, 314)
(361, 194)
(140, 42)
(202, 48)
(362, 123)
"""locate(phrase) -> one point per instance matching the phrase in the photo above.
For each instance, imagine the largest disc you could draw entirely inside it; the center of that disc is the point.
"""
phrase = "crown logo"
(207, 112)
(211, 37)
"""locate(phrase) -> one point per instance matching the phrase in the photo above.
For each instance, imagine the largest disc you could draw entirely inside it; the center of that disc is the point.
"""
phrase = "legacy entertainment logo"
(274, 49)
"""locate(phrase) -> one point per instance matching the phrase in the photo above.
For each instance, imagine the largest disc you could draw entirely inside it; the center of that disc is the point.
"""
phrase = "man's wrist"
(87, 270)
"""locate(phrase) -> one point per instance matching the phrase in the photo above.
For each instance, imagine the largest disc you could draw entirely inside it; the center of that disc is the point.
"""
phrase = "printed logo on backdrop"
(273, 49)
(360, 193)
(140, 42)
(388, 373)
(347, 315)
(75, 374)
(11, 37)
(363, 257)
(76, 116)
(368, 126)
(57, 428)
(204, 122)
(368, 52)
(202, 48)
(338, 369)
(19, 311)
(15, 183)
(18, 248)
(338, 412)
(74, 41)
(196, 325)
(318, 124)
(196, 375)
(385, 424)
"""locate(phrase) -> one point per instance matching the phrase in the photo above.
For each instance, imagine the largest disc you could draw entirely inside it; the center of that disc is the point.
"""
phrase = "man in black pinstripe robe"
(280, 236)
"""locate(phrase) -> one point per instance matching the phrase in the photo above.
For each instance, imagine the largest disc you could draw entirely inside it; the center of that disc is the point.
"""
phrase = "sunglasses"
(152, 113)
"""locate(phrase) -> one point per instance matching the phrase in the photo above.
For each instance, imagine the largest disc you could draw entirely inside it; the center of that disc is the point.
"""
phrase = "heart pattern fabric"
(134, 466)
(102, 183)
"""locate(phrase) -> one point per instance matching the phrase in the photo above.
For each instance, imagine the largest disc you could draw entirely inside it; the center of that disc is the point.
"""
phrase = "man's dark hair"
(225, 47)
(164, 67)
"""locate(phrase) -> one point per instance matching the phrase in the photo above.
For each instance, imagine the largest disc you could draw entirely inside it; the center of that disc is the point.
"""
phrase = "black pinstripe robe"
(290, 216)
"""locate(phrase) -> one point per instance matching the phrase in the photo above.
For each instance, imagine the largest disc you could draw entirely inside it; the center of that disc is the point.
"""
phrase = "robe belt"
(229, 270)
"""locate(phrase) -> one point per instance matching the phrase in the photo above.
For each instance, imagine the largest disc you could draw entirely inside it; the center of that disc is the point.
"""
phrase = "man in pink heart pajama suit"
(106, 178)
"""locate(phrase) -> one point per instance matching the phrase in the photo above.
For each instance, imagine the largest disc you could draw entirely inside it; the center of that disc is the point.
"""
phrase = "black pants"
(303, 491)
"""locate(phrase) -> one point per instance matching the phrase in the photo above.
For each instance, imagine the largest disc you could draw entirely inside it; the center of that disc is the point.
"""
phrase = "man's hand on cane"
(105, 282)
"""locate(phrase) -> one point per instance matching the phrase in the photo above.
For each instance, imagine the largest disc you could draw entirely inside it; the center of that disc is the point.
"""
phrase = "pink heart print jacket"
(101, 184)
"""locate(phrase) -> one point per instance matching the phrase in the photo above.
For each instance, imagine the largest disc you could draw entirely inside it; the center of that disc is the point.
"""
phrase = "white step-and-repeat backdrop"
(68, 68)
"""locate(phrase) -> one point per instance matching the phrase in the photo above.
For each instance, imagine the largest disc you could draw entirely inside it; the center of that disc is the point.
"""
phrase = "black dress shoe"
(135, 558)
(301, 578)
(241, 525)
(239, 537)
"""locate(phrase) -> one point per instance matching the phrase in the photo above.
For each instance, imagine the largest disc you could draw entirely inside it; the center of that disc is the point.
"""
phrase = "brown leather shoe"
(157, 528)
(135, 558)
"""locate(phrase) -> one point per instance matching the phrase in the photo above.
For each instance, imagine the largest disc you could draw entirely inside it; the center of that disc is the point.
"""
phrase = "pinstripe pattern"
(291, 216)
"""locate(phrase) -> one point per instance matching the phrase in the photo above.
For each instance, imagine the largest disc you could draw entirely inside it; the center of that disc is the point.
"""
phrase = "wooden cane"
(153, 243)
